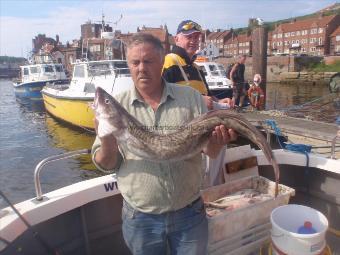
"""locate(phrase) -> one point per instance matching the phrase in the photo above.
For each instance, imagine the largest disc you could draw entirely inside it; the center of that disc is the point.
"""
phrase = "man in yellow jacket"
(179, 66)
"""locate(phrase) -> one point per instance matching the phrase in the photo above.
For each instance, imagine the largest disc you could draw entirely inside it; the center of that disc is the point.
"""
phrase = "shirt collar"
(167, 93)
(182, 53)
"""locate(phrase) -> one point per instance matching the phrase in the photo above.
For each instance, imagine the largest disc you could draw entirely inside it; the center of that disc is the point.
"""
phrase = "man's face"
(188, 42)
(243, 59)
(145, 63)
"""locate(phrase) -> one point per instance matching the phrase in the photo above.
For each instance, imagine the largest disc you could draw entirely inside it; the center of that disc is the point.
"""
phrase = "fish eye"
(107, 101)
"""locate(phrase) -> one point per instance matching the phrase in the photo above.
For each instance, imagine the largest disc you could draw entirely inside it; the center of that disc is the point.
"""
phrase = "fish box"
(240, 205)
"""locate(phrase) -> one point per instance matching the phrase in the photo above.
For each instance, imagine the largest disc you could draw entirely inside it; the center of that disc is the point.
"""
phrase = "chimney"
(57, 39)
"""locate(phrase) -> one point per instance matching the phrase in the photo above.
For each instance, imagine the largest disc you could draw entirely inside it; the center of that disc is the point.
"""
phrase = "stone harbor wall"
(306, 77)
(276, 65)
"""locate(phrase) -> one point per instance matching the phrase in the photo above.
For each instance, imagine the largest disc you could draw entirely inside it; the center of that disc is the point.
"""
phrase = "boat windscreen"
(213, 70)
(48, 69)
(221, 70)
(98, 69)
(121, 67)
(59, 69)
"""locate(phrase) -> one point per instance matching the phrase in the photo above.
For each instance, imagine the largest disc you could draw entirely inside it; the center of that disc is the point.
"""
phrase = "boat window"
(79, 71)
(98, 69)
(48, 69)
(25, 71)
(221, 70)
(58, 69)
(35, 69)
(213, 70)
(122, 67)
(204, 70)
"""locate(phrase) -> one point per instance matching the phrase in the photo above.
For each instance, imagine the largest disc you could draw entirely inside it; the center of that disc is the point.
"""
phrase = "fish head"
(107, 111)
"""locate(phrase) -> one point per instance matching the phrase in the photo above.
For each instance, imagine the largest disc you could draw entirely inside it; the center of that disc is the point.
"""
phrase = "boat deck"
(296, 126)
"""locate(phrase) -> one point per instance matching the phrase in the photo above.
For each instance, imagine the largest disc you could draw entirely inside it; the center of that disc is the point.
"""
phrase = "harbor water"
(29, 134)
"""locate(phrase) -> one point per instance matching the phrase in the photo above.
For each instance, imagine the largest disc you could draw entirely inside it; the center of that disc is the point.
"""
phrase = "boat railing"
(122, 71)
(334, 141)
(44, 162)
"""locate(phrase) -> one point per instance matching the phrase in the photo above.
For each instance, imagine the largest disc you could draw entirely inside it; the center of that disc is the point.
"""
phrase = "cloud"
(64, 19)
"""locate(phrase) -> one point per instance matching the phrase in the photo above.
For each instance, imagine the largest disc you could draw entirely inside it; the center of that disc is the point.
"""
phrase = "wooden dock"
(296, 126)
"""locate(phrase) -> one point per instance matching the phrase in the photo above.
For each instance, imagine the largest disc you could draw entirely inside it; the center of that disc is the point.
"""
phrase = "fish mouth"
(99, 97)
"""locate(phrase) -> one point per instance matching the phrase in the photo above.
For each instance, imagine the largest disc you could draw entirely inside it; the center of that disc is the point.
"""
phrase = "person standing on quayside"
(237, 78)
(162, 207)
(179, 66)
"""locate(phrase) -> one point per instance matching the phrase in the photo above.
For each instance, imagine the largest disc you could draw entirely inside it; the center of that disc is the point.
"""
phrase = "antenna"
(120, 18)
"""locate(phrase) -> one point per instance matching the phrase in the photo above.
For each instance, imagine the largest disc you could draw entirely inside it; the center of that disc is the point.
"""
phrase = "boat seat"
(89, 88)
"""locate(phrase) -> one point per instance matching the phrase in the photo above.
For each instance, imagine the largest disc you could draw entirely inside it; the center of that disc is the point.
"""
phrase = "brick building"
(160, 32)
(335, 42)
(92, 30)
(238, 45)
(41, 41)
(218, 39)
(308, 36)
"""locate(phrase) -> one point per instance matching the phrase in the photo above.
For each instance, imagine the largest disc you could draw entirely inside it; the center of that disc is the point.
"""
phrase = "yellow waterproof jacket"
(178, 68)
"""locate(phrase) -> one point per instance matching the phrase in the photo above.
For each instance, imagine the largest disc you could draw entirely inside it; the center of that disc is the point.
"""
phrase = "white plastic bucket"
(286, 221)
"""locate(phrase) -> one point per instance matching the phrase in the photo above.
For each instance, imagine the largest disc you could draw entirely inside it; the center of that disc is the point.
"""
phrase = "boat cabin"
(215, 75)
(42, 72)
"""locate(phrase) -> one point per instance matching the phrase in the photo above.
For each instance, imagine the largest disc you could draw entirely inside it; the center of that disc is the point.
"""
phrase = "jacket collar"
(183, 54)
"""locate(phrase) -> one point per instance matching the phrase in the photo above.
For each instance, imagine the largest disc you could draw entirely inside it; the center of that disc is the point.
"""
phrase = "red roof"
(243, 38)
(336, 32)
(160, 33)
(306, 23)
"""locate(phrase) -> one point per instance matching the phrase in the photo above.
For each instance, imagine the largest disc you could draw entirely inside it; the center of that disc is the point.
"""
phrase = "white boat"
(85, 217)
(216, 78)
(72, 105)
(36, 76)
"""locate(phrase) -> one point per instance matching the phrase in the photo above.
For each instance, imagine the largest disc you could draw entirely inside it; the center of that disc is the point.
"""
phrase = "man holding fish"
(162, 208)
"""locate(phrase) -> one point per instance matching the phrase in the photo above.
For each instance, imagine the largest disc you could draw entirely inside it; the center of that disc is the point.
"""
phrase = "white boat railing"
(41, 164)
(337, 137)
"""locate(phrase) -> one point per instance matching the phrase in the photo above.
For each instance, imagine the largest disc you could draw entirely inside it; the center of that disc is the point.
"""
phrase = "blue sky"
(21, 20)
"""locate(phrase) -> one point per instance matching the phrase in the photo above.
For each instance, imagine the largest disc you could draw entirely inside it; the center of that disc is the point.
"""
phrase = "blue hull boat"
(32, 90)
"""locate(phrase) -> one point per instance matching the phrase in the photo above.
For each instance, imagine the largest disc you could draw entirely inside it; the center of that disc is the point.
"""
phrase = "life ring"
(256, 97)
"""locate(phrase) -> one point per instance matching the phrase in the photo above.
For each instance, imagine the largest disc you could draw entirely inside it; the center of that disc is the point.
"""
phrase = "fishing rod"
(30, 228)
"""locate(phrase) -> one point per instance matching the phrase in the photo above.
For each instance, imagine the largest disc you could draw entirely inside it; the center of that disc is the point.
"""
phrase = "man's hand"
(227, 101)
(219, 137)
(208, 102)
(222, 136)
(106, 156)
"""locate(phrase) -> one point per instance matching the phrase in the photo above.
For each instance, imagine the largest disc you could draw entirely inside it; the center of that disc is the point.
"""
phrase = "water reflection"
(29, 105)
(312, 101)
(70, 139)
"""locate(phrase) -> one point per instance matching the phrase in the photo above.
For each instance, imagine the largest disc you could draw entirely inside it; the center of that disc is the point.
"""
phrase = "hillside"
(330, 10)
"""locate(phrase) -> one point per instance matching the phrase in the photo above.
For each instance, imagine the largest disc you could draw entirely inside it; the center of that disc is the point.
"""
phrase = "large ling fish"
(185, 142)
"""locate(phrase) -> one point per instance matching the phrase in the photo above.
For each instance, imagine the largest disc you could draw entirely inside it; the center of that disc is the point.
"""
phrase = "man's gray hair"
(140, 38)
(242, 56)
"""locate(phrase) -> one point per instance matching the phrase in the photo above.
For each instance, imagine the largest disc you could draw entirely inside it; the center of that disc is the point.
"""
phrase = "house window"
(287, 34)
(337, 38)
(320, 40)
(274, 36)
(312, 49)
(279, 35)
(25, 71)
(313, 31)
(320, 30)
(297, 33)
(292, 34)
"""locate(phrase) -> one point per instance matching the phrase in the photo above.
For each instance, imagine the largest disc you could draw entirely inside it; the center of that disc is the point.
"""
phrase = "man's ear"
(176, 38)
